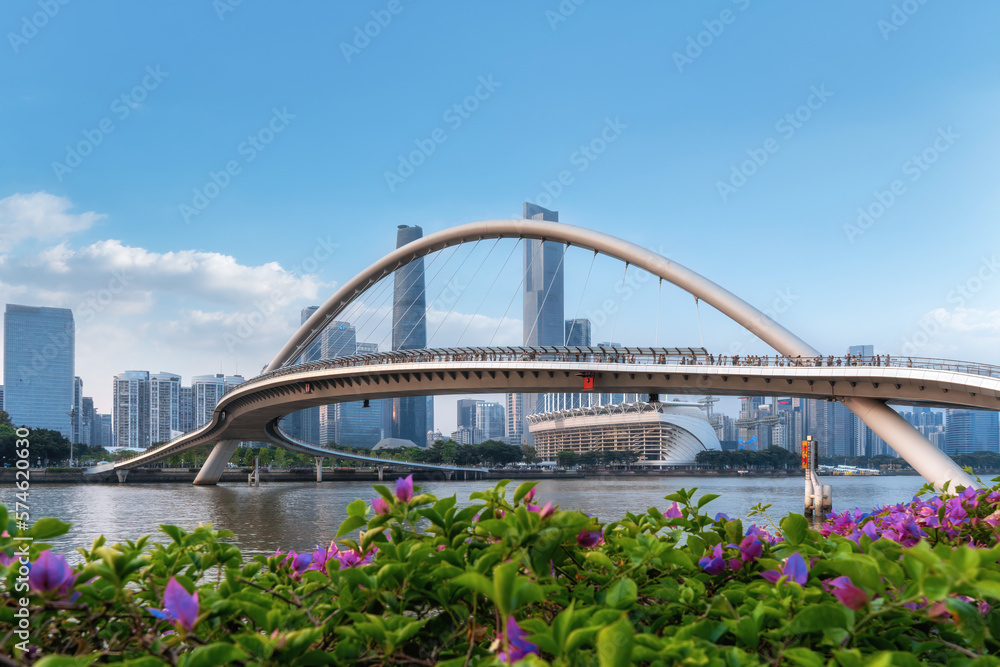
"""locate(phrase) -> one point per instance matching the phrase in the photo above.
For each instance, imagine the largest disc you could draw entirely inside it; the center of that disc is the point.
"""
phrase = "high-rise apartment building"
(130, 409)
(185, 410)
(164, 407)
(408, 416)
(38, 364)
(207, 391)
(87, 421)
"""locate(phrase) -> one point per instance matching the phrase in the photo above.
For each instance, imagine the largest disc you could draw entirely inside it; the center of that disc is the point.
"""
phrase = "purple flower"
(300, 562)
(380, 506)
(589, 538)
(179, 606)
(515, 642)
(404, 488)
(849, 595)
(674, 512)
(750, 548)
(721, 516)
(715, 563)
(50, 573)
(795, 569)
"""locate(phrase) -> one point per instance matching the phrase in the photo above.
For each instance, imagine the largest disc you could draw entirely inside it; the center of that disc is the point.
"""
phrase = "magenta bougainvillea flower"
(179, 606)
(404, 488)
(589, 538)
(380, 505)
(674, 512)
(849, 595)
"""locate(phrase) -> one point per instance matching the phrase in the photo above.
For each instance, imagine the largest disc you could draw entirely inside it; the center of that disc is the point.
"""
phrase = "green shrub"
(429, 582)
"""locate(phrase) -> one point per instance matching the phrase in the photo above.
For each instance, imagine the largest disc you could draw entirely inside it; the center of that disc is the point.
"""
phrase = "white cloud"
(40, 215)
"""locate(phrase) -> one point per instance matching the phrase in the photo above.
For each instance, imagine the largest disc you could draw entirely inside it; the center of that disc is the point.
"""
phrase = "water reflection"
(303, 514)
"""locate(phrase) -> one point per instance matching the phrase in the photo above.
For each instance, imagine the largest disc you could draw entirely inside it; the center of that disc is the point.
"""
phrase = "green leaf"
(794, 527)
(522, 490)
(219, 653)
(934, 588)
(817, 618)
(476, 582)
(622, 594)
(706, 499)
(614, 644)
(350, 524)
(62, 661)
(357, 508)
(47, 528)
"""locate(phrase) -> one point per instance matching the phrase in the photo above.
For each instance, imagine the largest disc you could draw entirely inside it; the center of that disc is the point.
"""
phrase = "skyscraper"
(408, 415)
(131, 410)
(77, 414)
(968, 431)
(38, 367)
(542, 300)
(466, 412)
(578, 332)
(87, 421)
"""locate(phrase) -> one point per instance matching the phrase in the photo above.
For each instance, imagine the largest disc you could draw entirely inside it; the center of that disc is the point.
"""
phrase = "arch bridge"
(253, 410)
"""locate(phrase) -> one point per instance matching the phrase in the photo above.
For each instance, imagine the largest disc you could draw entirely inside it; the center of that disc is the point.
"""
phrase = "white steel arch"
(926, 459)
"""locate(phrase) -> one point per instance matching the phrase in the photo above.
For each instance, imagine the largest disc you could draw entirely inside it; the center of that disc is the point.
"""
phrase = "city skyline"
(813, 231)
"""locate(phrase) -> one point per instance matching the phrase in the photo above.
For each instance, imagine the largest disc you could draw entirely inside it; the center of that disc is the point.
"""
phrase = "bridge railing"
(632, 355)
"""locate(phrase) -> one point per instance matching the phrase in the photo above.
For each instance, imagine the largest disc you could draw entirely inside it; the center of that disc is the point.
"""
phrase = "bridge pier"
(319, 469)
(380, 470)
(215, 464)
(448, 474)
(122, 475)
(934, 465)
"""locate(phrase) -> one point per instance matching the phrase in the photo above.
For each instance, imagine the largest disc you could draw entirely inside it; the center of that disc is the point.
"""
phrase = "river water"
(300, 515)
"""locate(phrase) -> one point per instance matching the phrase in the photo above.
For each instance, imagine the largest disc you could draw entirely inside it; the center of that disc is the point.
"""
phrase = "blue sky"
(691, 91)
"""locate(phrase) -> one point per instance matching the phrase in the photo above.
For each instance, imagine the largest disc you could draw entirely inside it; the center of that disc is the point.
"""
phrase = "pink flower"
(404, 488)
(543, 512)
(530, 495)
(380, 505)
(674, 512)
(849, 595)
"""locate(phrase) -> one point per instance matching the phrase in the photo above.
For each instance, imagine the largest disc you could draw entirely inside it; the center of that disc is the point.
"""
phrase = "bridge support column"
(211, 472)
(448, 474)
(380, 470)
(935, 466)
(319, 469)
(122, 474)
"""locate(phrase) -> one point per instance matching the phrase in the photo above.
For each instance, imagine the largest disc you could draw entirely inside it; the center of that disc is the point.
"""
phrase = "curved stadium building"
(664, 435)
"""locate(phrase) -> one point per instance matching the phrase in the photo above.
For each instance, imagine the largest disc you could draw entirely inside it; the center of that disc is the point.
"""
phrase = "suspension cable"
(659, 293)
(524, 276)
(450, 282)
(489, 289)
(619, 309)
(459, 298)
(580, 302)
(423, 290)
(698, 310)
